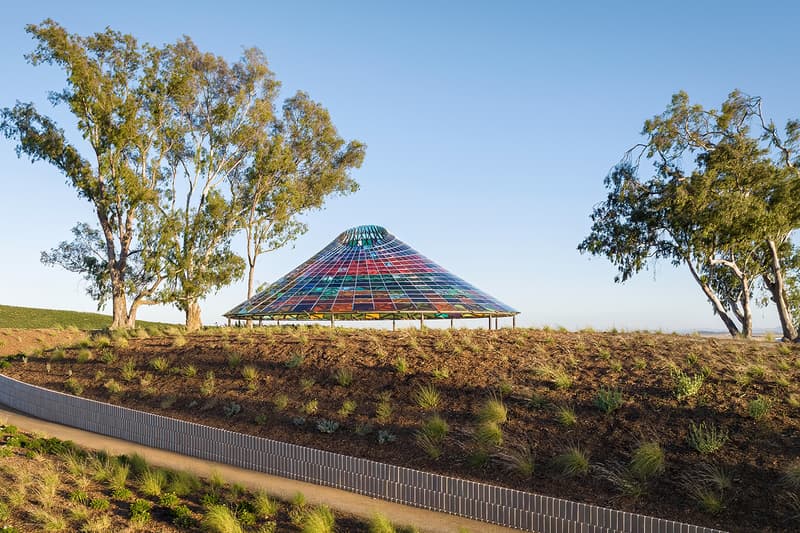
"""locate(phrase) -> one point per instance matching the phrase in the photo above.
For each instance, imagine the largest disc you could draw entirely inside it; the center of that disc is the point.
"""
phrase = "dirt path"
(348, 502)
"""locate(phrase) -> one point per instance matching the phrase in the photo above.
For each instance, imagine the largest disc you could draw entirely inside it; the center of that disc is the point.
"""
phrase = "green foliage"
(441, 373)
(708, 485)
(519, 458)
(84, 356)
(220, 519)
(159, 364)
(100, 504)
(608, 400)
(380, 524)
(348, 408)
(759, 407)
(489, 434)
(383, 410)
(189, 371)
(140, 511)
(264, 507)
(311, 407)
(715, 171)
(686, 386)
(152, 482)
(33, 318)
(170, 500)
(295, 361)
(572, 462)
(73, 386)
(431, 435)
(327, 426)
(318, 520)
(647, 460)
(113, 387)
(128, 370)
(209, 384)
(343, 377)
(557, 376)
(566, 416)
(280, 401)
(401, 365)
(234, 359)
(493, 411)
(706, 438)
(250, 373)
(427, 397)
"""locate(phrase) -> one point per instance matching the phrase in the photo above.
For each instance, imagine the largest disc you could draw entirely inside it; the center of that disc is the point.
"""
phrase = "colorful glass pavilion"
(367, 273)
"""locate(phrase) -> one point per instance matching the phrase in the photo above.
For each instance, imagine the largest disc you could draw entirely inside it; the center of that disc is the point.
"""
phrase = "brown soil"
(516, 364)
(14, 341)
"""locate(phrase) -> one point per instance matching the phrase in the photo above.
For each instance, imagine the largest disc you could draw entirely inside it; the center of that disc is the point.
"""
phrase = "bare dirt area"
(694, 429)
(14, 341)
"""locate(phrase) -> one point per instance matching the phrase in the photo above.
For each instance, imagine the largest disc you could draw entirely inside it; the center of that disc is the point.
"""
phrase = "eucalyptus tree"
(721, 199)
(304, 161)
(116, 89)
(220, 116)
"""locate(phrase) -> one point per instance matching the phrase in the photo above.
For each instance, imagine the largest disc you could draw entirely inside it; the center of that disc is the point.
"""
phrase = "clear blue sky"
(489, 125)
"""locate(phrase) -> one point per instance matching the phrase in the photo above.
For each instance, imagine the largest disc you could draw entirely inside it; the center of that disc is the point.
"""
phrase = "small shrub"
(183, 483)
(234, 360)
(608, 400)
(572, 462)
(169, 500)
(220, 519)
(112, 386)
(231, 409)
(178, 341)
(264, 507)
(327, 426)
(791, 475)
(311, 407)
(209, 384)
(79, 496)
(307, 383)
(566, 416)
(84, 356)
(73, 386)
(759, 407)
(400, 365)
(348, 407)
(707, 486)
(519, 458)
(108, 356)
(250, 373)
(623, 479)
(441, 373)
(557, 376)
(294, 361)
(383, 411)
(488, 434)
(128, 370)
(706, 439)
(686, 386)
(343, 377)
(385, 436)
(427, 397)
(189, 371)
(318, 520)
(380, 524)
(140, 511)
(159, 364)
(100, 504)
(493, 411)
(152, 482)
(280, 401)
(647, 460)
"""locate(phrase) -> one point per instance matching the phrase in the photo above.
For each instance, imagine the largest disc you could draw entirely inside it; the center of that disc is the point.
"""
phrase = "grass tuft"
(572, 462)
(706, 438)
(220, 519)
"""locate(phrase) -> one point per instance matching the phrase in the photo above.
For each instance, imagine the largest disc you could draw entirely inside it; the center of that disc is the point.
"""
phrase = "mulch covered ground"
(534, 372)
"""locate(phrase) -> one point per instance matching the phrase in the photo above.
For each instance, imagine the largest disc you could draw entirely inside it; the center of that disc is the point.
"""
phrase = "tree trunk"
(119, 313)
(778, 290)
(747, 313)
(251, 277)
(718, 308)
(193, 322)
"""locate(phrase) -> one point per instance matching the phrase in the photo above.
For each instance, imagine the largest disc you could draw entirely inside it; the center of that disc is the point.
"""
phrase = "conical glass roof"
(368, 273)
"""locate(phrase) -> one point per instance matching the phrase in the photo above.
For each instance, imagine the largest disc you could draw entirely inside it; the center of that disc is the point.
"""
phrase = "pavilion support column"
(229, 321)
(490, 323)
(333, 323)
(394, 326)
(451, 323)
(421, 324)
(260, 320)
(513, 321)
(279, 322)
(495, 323)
